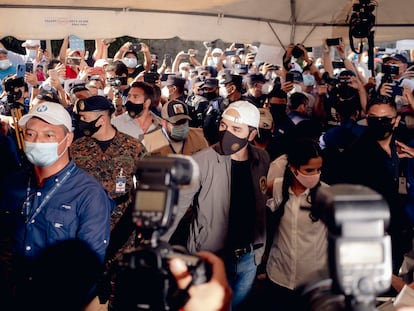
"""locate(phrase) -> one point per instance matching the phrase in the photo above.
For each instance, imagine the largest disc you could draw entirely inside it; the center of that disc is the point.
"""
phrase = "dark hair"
(299, 153)
(381, 100)
(148, 89)
(119, 67)
(51, 64)
(297, 99)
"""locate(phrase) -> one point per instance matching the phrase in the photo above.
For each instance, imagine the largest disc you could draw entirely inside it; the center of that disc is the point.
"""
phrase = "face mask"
(380, 128)
(308, 80)
(179, 132)
(130, 62)
(278, 111)
(267, 87)
(89, 128)
(5, 64)
(264, 136)
(184, 74)
(101, 92)
(223, 92)
(134, 110)
(165, 92)
(209, 95)
(211, 62)
(230, 143)
(31, 53)
(43, 154)
(308, 181)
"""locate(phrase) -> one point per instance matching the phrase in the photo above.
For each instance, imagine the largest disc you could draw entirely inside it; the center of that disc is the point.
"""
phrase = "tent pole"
(277, 37)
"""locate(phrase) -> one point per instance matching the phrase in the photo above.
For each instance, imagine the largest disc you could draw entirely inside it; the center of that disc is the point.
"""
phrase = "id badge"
(402, 185)
(120, 184)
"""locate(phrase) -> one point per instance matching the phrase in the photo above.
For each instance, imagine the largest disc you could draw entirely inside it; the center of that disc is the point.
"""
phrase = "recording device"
(21, 70)
(143, 280)
(12, 87)
(333, 41)
(389, 72)
(151, 77)
(343, 80)
(297, 52)
(43, 45)
(274, 67)
(338, 65)
(29, 67)
(168, 61)
(136, 47)
(359, 249)
(241, 68)
(239, 45)
(361, 23)
(230, 53)
(117, 81)
(73, 60)
(290, 77)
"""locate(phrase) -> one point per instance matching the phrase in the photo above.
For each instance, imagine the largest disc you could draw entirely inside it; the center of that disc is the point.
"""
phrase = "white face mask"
(223, 92)
(130, 62)
(101, 92)
(267, 87)
(43, 154)
(5, 64)
(184, 74)
(32, 54)
(165, 92)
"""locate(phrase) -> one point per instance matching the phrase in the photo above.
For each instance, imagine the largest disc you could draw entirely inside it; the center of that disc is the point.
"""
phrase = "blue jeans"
(241, 274)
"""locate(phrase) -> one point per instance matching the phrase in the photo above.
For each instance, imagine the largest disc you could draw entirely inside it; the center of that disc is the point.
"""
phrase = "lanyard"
(49, 194)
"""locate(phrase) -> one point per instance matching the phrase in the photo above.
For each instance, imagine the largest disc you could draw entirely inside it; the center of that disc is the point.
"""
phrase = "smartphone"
(309, 49)
(43, 44)
(239, 45)
(53, 73)
(290, 77)
(333, 41)
(76, 43)
(396, 90)
(151, 77)
(168, 61)
(136, 47)
(230, 53)
(29, 67)
(338, 65)
(21, 70)
(73, 60)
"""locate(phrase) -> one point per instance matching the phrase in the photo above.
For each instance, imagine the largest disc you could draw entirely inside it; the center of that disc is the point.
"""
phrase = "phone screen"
(21, 70)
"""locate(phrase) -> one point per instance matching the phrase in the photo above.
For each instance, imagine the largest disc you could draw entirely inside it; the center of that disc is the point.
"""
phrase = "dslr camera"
(359, 250)
(142, 277)
(13, 86)
(389, 72)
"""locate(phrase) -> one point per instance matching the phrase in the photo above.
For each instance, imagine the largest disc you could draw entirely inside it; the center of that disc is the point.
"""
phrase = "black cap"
(210, 83)
(398, 57)
(228, 77)
(95, 103)
(255, 77)
(175, 80)
(175, 111)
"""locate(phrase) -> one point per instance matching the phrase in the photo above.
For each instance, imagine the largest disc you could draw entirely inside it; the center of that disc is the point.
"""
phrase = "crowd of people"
(264, 136)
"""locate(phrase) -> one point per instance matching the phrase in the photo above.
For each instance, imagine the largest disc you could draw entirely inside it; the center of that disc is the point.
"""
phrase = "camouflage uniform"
(122, 154)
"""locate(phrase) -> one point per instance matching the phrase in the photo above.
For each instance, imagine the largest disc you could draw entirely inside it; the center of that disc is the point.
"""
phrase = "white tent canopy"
(272, 22)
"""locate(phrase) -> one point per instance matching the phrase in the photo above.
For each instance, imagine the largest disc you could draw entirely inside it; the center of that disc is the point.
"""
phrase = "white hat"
(217, 51)
(248, 113)
(100, 62)
(49, 112)
(31, 43)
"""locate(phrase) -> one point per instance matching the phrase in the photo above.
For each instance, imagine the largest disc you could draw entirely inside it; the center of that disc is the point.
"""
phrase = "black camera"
(390, 70)
(143, 280)
(116, 82)
(362, 19)
(297, 52)
(151, 77)
(13, 87)
(359, 250)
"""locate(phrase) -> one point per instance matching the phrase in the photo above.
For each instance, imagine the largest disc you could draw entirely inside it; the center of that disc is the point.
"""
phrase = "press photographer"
(359, 250)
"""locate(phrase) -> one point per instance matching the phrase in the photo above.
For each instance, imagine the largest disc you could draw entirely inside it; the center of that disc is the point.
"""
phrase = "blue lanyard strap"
(49, 194)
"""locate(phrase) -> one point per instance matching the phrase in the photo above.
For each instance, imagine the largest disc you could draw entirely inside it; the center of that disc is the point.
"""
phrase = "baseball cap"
(95, 103)
(31, 43)
(248, 113)
(100, 62)
(210, 83)
(175, 80)
(398, 57)
(49, 112)
(255, 77)
(175, 111)
(266, 119)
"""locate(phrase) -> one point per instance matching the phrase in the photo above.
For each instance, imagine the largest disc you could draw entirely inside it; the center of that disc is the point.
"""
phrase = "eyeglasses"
(384, 119)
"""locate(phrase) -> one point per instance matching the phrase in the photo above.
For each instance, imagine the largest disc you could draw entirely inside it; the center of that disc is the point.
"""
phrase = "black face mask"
(264, 136)
(278, 111)
(380, 128)
(134, 110)
(89, 128)
(209, 95)
(230, 143)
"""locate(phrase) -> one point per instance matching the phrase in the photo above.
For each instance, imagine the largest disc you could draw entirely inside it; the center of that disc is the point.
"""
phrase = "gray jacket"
(208, 230)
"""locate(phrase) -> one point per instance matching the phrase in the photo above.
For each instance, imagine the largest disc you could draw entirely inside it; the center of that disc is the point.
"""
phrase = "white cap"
(248, 113)
(100, 62)
(49, 112)
(217, 51)
(31, 43)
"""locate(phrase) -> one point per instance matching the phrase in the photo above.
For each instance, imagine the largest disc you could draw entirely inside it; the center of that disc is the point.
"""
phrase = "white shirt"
(299, 250)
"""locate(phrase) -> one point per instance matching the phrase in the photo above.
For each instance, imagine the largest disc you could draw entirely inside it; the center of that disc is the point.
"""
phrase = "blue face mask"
(43, 154)
(308, 80)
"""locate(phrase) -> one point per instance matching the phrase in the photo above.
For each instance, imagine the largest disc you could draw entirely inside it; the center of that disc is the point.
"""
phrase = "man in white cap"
(51, 202)
(229, 199)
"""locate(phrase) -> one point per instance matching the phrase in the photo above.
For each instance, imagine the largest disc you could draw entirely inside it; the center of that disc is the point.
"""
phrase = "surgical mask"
(267, 87)
(230, 143)
(134, 110)
(184, 74)
(308, 181)
(5, 64)
(89, 128)
(43, 154)
(179, 132)
(32, 54)
(101, 92)
(223, 92)
(165, 92)
(380, 128)
(308, 80)
(216, 59)
(130, 62)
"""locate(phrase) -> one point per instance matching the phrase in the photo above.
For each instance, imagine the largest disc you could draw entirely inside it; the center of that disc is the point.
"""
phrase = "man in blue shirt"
(52, 202)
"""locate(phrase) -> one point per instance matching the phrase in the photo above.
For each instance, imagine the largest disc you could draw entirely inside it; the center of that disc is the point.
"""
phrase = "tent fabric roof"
(276, 23)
